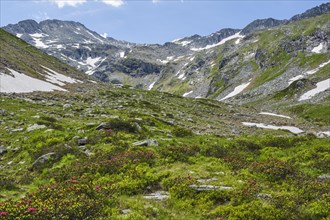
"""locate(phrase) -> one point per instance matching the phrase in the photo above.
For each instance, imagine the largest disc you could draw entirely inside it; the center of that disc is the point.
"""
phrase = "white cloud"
(155, 1)
(41, 16)
(114, 3)
(73, 3)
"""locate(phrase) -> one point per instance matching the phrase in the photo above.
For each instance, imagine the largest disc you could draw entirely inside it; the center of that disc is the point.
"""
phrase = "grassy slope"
(18, 55)
(268, 174)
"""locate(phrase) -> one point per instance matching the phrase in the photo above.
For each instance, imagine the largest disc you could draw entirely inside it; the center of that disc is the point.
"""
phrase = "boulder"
(103, 125)
(43, 159)
(35, 127)
(148, 143)
(209, 187)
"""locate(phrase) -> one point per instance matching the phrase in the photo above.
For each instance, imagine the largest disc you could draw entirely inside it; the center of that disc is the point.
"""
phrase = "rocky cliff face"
(229, 65)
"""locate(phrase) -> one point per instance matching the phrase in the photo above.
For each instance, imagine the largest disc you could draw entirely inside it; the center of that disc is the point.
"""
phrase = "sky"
(152, 21)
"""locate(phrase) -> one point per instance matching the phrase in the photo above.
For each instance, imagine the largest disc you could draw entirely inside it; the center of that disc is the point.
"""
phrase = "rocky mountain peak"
(316, 11)
(261, 24)
(26, 26)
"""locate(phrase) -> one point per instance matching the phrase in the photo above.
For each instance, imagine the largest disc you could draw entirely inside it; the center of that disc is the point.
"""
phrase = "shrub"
(120, 125)
(73, 199)
(273, 169)
(182, 132)
(178, 153)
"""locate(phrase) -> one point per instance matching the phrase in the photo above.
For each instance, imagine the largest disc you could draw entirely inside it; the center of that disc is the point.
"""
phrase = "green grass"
(318, 113)
(118, 174)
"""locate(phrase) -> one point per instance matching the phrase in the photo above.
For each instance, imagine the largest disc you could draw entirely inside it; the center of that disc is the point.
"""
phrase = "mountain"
(263, 59)
(24, 68)
(313, 12)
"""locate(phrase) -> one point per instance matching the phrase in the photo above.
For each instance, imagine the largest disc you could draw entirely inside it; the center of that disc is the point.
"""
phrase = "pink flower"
(29, 201)
(97, 188)
(3, 213)
(72, 181)
(30, 209)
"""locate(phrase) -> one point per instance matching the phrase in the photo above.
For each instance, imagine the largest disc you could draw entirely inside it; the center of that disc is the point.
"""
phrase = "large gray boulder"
(43, 159)
(148, 143)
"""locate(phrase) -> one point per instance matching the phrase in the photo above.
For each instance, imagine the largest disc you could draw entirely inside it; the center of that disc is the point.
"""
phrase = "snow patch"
(38, 35)
(176, 40)
(187, 93)
(88, 48)
(237, 90)
(21, 83)
(320, 87)
(181, 76)
(92, 61)
(168, 59)
(57, 78)
(310, 72)
(76, 46)
(184, 43)
(151, 85)
(19, 35)
(318, 48)
(60, 46)
(122, 54)
(237, 35)
(292, 129)
(95, 37)
(276, 115)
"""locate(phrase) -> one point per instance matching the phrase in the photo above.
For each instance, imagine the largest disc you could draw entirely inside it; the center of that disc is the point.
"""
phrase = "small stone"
(264, 196)
(82, 142)
(209, 187)
(324, 177)
(3, 150)
(17, 130)
(67, 105)
(157, 195)
(207, 180)
(103, 125)
(35, 127)
(126, 211)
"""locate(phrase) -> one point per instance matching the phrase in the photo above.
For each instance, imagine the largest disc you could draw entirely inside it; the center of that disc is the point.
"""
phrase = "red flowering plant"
(77, 199)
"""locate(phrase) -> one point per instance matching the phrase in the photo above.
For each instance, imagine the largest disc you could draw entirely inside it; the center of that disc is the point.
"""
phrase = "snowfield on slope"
(237, 35)
(310, 72)
(21, 83)
(273, 114)
(320, 87)
(292, 129)
(57, 78)
(237, 90)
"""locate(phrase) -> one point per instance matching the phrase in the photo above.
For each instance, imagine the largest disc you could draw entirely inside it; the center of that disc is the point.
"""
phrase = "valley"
(233, 125)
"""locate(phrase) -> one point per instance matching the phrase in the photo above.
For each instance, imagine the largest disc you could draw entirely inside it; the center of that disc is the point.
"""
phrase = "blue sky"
(152, 21)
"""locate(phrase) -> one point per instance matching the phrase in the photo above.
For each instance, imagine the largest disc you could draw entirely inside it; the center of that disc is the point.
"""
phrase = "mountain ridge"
(195, 66)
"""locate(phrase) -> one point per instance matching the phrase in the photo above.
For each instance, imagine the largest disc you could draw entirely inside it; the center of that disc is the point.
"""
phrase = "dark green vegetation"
(98, 171)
